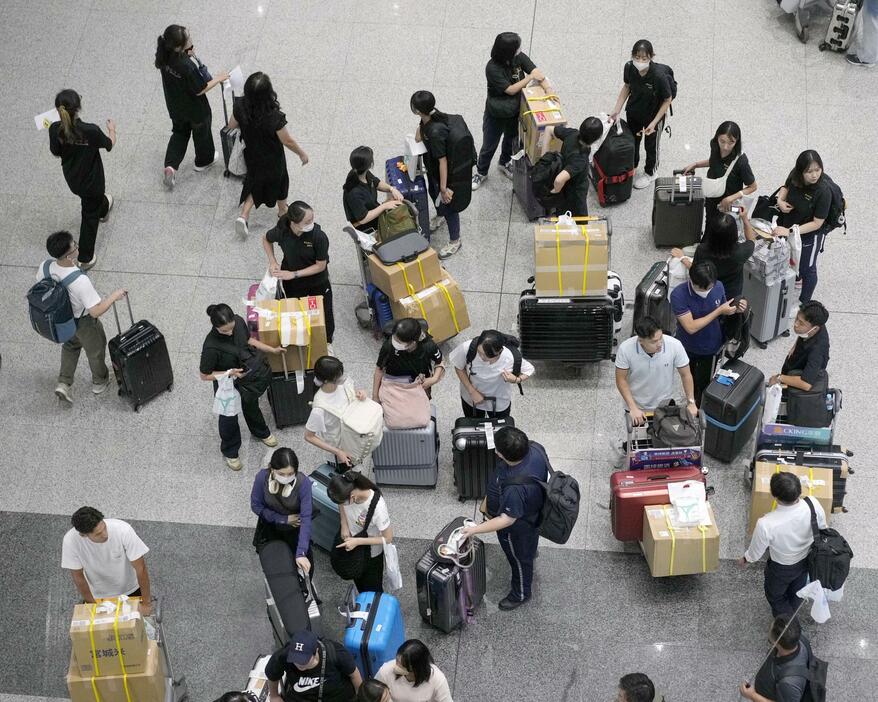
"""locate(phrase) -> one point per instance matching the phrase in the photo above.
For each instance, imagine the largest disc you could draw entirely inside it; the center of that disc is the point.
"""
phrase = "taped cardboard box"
(441, 304)
(296, 323)
(102, 623)
(146, 686)
(401, 279)
(540, 108)
(257, 681)
(816, 483)
(678, 550)
(571, 260)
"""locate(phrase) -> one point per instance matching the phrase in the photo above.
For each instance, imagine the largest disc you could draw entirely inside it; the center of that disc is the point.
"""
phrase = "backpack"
(395, 222)
(51, 314)
(613, 164)
(673, 426)
(362, 425)
(829, 559)
(836, 216)
(667, 72)
(543, 175)
(510, 342)
(461, 152)
(816, 673)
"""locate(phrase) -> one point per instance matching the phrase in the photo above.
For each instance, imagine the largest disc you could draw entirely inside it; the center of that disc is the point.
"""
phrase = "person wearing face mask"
(413, 677)
(410, 355)
(698, 305)
(185, 82)
(281, 499)
(360, 192)
(229, 349)
(304, 268)
(373, 690)
(647, 92)
(809, 356)
(312, 669)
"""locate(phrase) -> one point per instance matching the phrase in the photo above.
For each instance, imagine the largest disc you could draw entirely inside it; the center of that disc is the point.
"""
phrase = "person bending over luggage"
(572, 182)
(508, 72)
(360, 192)
(413, 677)
(303, 269)
(281, 499)
(229, 349)
(312, 668)
(780, 676)
(647, 92)
(486, 369)
(645, 368)
(264, 132)
(809, 356)
(409, 355)
(373, 690)
(353, 492)
(323, 428)
(637, 687)
(698, 306)
(515, 508)
(78, 144)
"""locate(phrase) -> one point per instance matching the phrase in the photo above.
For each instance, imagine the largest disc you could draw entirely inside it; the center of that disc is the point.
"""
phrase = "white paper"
(413, 147)
(236, 80)
(489, 436)
(46, 118)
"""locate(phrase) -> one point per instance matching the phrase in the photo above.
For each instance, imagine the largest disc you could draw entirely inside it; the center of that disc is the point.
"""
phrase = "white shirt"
(107, 565)
(82, 293)
(356, 516)
(651, 379)
(786, 533)
(325, 424)
(401, 690)
(487, 378)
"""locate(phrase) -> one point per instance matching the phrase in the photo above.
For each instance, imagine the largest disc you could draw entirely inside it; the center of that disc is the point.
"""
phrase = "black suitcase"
(289, 599)
(140, 360)
(732, 412)
(289, 405)
(569, 329)
(677, 213)
(651, 298)
(613, 170)
(473, 460)
(522, 186)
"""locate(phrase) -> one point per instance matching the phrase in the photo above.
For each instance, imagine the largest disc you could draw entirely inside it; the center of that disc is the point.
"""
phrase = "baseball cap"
(303, 646)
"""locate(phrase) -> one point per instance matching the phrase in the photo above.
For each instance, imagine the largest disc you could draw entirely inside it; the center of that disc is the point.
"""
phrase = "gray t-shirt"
(651, 378)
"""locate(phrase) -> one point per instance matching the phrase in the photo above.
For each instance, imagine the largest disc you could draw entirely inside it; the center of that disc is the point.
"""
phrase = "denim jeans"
(493, 129)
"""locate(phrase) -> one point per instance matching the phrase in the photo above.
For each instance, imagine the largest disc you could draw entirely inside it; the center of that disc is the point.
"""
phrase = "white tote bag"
(227, 400)
(772, 404)
(392, 573)
(689, 501)
(237, 165)
(716, 187)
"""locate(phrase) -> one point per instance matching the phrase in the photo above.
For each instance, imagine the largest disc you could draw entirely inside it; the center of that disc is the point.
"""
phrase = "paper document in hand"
(46, 118)
(236, 80)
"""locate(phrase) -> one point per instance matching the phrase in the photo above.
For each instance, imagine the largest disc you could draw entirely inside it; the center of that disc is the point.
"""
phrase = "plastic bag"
(689, 501)
(772, 404)
(677, 274)
(237, 165)
(367, 241)
(267, 289)
(795, 242)
(392, 574)
(566, 219)
(227, 401)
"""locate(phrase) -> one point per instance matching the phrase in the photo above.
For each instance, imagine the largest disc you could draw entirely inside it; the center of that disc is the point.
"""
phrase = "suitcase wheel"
(170, 387)
(761, 344)
(137, 408)
(823, 46)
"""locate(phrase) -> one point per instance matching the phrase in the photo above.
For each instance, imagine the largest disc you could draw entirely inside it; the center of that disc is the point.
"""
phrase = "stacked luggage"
(731, 406)
(612, 169)
(769, 288)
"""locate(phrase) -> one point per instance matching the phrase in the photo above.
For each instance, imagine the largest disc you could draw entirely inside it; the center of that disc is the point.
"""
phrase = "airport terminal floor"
(343, 71)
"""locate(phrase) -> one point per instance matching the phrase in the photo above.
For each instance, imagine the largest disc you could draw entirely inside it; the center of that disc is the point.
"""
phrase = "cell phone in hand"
(737, 209)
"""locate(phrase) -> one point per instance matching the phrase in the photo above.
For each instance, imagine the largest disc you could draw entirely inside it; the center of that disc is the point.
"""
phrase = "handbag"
(405, 405)
(716, 187)
(350, 565)
(392, 574)
(227, 400)
(397, 221)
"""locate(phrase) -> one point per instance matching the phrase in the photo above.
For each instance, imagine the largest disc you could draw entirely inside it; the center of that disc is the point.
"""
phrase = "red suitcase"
(636, 488)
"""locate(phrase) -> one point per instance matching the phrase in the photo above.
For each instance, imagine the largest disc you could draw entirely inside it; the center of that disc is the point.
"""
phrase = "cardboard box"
(402, 279)
(816, 483)
(442, 305)
(147, 686)
(583, 251)
(540, 108)
(678, 550)
(300, 323)
(131, 632)
(257, 682)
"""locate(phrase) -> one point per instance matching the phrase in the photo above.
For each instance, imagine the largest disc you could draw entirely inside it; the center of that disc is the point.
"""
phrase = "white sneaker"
(169, 178)
(436, 223)
(109, 206)
(643, 180)
(451, 248)
(204, 168)
(242, 229)
(88, 265)
(506, 169)
(98, 388)
(330, 351)
(478, 179)
(64, 392)
(234, 463)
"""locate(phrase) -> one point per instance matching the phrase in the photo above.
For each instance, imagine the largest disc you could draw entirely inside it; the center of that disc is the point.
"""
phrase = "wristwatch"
(690, 400)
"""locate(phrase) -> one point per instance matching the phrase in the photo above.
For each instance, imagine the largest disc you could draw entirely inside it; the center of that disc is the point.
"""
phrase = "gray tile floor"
(334, 64)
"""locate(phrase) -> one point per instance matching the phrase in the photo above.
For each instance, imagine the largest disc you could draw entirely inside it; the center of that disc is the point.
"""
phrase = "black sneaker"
(855, 60)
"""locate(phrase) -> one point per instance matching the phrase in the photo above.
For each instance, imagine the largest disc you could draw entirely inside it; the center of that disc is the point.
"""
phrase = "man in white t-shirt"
(106, 558)
(87, 307)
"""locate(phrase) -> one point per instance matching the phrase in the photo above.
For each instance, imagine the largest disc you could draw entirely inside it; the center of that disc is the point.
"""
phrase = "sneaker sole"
(169, 180)
(100, 389)
(61, 396)
(241, 228)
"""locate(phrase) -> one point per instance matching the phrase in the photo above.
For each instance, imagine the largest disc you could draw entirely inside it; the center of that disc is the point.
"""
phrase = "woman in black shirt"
(185, 82)
(409, 355)
(78, 144)
(228, 347)
(360, 192)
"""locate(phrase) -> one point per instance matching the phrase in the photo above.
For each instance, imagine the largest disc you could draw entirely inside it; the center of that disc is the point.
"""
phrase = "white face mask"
(641, 65)
(805, 335)
(307, 228)
(285, 479)
(701, 293)
(398, 345)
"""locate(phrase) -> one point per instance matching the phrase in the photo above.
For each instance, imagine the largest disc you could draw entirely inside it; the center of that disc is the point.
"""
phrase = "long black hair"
(415, 657)
(643, 46)
(68, 103)
(342, 485)
(506, 45)
(424, 102)
(372, 690)
(220, 314)
(173, 41)
(805, 160)
(730, 129)
(362, 159)
(259, 100)
(721, 235)
(284, 457)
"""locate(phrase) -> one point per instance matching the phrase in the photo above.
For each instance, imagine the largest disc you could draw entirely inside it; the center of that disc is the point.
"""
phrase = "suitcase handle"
(116, 314)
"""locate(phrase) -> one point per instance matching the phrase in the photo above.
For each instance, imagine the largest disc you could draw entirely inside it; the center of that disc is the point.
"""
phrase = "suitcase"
(522, 186)
(405, 247)
(769, 305)
(290, 395)
(569, 329)
(633, 490)
(289, 599)
(651, 298)
(833, 457)
(140, 360)
(677, 212)
(472, 450)
(408, 456)
(612, 170)
(732, 412)
(842, 20)
(781, 433)
(325, 522)
(413, 191)
(617, 296)
(228, 139)
(374, 632)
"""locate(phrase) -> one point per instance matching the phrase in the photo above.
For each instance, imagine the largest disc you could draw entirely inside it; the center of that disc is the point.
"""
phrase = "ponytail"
(341, 485)
(68, 104)
(171, 42)
(361, 159)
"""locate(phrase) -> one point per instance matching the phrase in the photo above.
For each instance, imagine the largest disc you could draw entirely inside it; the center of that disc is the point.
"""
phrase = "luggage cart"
(176, 689)
(641, 454)
(365, 311)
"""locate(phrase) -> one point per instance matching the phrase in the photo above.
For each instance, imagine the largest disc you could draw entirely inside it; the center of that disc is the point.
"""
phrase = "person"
(488, 375)
(373, 690)
(698, 305)
(804, 201)
(864, 49)
(783, 675)
(786, 533)
(87, 306)
(236, 696)
(572, 182)
(281, 499)
(229, 349)
(78, 144)
(637, 687)
(312, 669)
(809, 356)
(322, 428)
(645, 366)
(106, 558)
(508, 72)
(514, 508)
(725, 147)
(413, 677)
(264, 132)
(647, 91)
(354, 492)
(185, 83)
(409, 355)
(304, 268)
(433, 132)
(360, 192)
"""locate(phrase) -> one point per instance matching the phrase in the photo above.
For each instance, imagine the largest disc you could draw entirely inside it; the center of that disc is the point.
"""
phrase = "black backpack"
(667, 72)
(49, 308)
(816, 673)
(543, 175)
(829, 559)
(836, 216)
(672, 426)
(510, 342)
(613, 164)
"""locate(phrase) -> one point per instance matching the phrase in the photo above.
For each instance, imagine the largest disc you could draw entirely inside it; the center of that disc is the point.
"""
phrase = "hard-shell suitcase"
(413, 191)
(290, 395)
(732, 413)
(617, 296)
(325, 521)
(408, 456)
(257, 680)
(677, 211)
(403, 248)
(842, 20)
(612, 170)
(651, 298)
(834, 457)
(140, 360)
(633, 490)
(522, 186)
(289, 598)
(769, 305)
(782, 433)
(472, 449)
(374, 632)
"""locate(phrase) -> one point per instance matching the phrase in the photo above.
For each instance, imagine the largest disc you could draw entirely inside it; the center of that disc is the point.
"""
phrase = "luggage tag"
(489, 435)
(681, 183)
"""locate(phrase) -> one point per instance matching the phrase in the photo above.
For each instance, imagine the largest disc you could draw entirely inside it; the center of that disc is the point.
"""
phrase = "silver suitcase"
(408, 456)
(770, 305)
(842, 20)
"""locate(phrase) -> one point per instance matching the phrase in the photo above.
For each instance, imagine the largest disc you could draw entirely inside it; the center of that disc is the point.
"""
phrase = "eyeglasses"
(189, 48)
(74, 249)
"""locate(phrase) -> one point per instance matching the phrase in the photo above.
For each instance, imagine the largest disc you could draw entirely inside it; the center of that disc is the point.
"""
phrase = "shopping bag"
(267, 289)
(772, 404)
(227, 400)
(689, 502)
(392, 574)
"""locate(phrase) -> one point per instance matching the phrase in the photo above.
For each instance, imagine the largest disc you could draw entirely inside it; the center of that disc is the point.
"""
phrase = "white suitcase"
(840, 32)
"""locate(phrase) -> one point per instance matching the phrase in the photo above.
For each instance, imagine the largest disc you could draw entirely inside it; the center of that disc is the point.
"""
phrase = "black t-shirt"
(810, 356)
(263, 150)
(729, 269)
(808, 203)
(300, 252)
(740, 177)
(361, 198)
(422, 360)
(575, 159)
(647, 92)
(304, 685)
(81, 160)
(221, 352)
(181, 83)
(768, 682)
(500, 76)
(435, 137)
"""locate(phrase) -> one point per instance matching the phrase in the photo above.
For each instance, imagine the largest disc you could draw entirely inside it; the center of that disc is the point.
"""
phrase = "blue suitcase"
(325, 524)
(415, 192)
(374, 632)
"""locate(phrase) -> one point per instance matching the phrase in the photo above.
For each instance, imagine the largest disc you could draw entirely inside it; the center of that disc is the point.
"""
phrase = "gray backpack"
(672, 426)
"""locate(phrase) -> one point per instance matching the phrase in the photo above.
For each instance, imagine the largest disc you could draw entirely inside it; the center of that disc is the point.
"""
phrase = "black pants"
(702, 373)
(372, 579)
(93, 208)
(812, 246)
(328, 313)
(651, 142)
(230, 430)
(470, 411)
(782, 582)
(493, 129)
(179, 142)
(519, 544)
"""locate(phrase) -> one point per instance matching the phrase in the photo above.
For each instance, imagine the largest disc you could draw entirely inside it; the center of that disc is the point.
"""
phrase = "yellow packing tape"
(408, 286)
(450, 306)
(558, 257)
(91, 637)
(585, 262)
(421, 269)
(119, 649)
(308, 328)
(673, 540)
(703, 530)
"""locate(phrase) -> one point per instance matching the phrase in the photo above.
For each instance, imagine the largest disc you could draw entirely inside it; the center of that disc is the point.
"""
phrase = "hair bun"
(210, 310)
